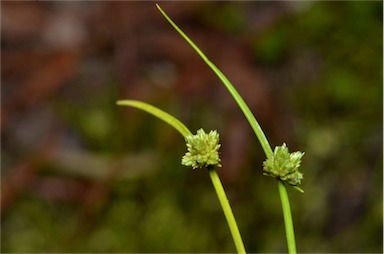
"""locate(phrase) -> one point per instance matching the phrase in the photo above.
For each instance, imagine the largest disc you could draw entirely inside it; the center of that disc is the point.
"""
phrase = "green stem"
(212, 172)
(227, 210)
(169, 119)
(243, 106)
(256, 128)
(290, 234)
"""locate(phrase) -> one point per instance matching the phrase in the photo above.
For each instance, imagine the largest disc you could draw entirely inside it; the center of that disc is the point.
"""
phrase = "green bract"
(203, 150)
(284, 165)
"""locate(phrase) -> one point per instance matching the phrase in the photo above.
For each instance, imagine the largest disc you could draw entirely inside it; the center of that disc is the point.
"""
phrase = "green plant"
(263, 141)
(202, 152)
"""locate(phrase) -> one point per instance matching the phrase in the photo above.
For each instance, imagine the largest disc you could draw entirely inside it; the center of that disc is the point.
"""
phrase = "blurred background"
(80, 174)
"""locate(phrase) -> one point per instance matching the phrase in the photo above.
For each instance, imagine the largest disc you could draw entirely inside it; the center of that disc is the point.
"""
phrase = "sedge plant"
(203, 152)
(279, 164)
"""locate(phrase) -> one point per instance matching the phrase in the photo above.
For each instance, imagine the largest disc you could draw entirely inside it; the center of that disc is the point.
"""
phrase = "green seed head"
(284, 165)
(203, 150)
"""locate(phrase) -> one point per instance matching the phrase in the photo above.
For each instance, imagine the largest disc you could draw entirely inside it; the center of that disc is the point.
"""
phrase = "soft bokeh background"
(80, 174)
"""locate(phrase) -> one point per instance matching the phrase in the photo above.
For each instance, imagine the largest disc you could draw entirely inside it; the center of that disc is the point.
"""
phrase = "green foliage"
(239, 100)
(292, 177)
(328, 84)
(203, 151)
(158, 113)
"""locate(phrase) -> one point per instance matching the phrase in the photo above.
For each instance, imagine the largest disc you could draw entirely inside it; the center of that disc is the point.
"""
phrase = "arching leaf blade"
(174, 122)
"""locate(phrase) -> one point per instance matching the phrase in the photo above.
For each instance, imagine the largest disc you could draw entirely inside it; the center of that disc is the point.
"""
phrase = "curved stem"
(212, 172)
(243, 106)
(171, 120)
(256, 128)
(290, 234)
(227, 210)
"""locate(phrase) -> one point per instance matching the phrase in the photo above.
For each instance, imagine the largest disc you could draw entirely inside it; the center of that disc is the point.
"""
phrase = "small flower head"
(284, 165)
(203, 150)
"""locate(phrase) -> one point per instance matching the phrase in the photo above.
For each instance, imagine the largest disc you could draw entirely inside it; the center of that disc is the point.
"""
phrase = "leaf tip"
(298, 189)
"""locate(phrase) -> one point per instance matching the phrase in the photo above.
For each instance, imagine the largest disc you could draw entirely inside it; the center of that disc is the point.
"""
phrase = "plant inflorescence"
(203, 152)
(284, 165)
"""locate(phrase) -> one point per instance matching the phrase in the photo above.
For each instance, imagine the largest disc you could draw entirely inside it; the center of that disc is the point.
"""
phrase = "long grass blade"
(158, 113)
(243, 106)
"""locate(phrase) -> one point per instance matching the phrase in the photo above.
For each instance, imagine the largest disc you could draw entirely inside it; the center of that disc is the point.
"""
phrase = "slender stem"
(290, 234)
(243, 106)
(212, 172)
(171, 120)
(256, 128)
(227, 210)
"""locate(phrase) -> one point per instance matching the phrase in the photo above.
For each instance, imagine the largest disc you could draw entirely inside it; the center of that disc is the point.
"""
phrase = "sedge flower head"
(203, 150)
(284, 165)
